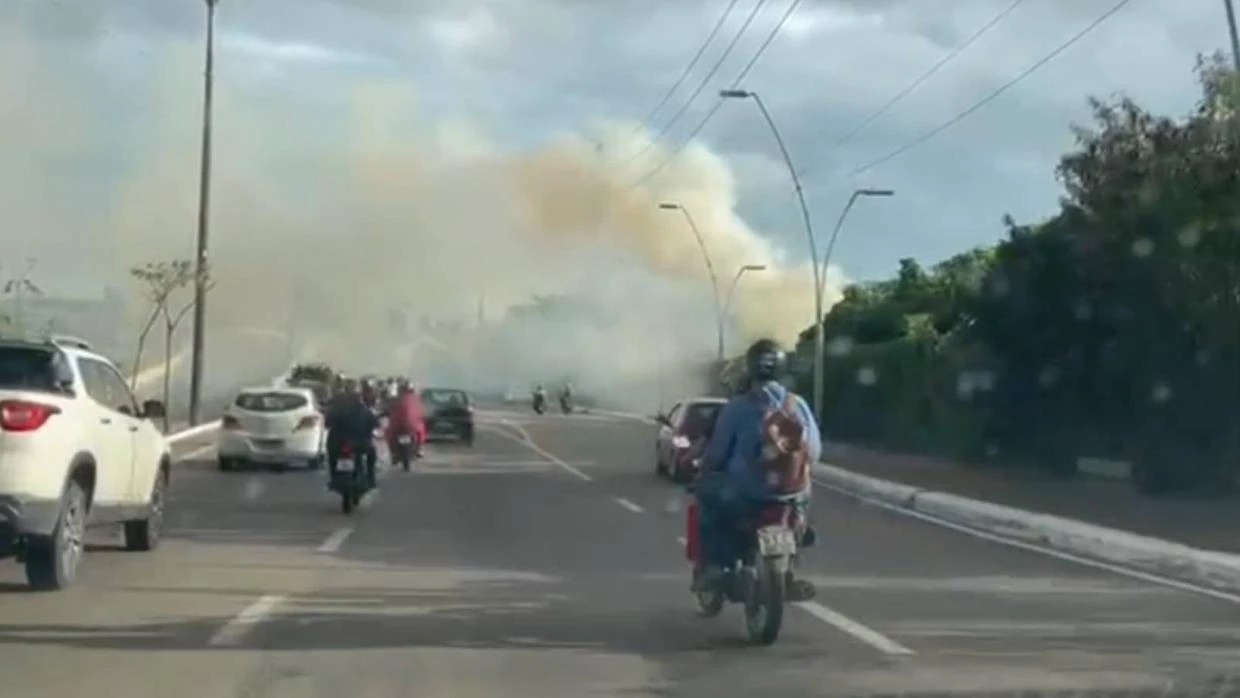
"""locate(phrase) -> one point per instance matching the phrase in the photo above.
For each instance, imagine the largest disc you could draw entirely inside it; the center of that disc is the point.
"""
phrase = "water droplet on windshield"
(1143, 247)
(867, 376)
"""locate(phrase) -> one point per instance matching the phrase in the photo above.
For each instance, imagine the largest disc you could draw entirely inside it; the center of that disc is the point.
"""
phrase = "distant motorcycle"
(566, 404)
(761, 578)
(349, 479)
(403, 449)
(540, 403)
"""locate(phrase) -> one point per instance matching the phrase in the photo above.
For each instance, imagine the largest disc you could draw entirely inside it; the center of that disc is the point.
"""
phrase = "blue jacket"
(736, 443)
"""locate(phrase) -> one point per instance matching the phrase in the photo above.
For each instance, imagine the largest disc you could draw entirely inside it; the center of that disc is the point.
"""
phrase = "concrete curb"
(1154, 556)
(1128, 550)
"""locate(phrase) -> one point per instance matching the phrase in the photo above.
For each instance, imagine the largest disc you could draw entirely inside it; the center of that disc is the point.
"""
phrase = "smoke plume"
(388, 241)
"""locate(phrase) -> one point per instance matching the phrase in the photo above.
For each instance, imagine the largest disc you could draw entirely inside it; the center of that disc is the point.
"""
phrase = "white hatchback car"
(76, 450)
(275, 426)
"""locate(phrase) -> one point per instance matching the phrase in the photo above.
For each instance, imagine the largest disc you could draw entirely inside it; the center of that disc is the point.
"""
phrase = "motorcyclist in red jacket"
(406, 415)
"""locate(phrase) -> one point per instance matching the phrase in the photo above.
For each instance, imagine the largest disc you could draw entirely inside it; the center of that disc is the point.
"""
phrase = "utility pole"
(1235, 37)
(204, 208)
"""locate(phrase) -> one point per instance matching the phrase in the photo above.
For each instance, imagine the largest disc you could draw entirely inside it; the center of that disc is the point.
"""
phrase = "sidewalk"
(1195, 520)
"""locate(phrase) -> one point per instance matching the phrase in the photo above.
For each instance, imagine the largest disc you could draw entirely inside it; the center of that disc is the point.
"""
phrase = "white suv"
(76, 450)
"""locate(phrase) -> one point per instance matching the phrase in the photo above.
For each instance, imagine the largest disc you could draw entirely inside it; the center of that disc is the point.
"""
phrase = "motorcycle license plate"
(404, 439)
(345, 466)
(776, 540)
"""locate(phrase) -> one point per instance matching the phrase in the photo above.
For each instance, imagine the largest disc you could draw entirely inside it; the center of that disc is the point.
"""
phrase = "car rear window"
(27, 368)
(700, 419)
(445, 398)
(271, 402)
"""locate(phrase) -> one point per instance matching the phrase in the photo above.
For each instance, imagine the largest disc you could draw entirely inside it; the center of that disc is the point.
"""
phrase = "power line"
(992, 96)
(727, 51)
(981, 31)
(692, 62)
(740, 77)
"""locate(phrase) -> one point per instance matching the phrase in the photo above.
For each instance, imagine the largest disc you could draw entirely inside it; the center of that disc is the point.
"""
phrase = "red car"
(683, 433)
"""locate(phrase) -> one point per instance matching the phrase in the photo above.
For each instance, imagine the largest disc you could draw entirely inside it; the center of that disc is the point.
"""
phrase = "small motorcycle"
(349, 479)
(762, 577)
(540, 403)
(566, 404)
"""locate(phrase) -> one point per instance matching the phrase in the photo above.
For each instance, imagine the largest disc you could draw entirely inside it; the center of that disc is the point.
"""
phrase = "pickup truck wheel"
(143, 534)
(52, 562)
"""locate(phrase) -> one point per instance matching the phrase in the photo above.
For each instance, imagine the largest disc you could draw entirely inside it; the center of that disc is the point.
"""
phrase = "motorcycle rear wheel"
(764, 602)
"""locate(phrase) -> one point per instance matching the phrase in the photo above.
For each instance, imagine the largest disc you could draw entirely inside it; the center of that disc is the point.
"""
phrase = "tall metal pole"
(1235, 38)
(204, 208)
(727, 303)
(710, 269)
(820, 327)
(819, 346)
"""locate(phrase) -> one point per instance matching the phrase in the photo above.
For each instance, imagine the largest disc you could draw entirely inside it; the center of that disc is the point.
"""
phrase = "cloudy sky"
(93, 91)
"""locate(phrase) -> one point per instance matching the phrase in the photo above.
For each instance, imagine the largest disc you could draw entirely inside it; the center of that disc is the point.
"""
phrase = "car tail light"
(20, 415)
(308, 422)
(681, 441)
(230, 422)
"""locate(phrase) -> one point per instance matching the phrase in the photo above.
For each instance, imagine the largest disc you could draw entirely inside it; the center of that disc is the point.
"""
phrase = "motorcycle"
(349, 479)
(761, 579)
(540, 403)
(404, 448)
(566, 404)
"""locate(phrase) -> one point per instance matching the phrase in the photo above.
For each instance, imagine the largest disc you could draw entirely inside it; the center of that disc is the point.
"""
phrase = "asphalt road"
(544, 562)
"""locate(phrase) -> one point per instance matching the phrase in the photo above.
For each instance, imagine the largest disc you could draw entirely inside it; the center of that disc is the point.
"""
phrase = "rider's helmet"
(765, 361)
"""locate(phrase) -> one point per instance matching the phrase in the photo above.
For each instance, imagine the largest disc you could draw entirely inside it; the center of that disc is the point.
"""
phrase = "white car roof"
(283, 389)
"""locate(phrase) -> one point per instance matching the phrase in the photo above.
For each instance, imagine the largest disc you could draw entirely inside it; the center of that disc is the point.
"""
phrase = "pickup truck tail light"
(25, 416)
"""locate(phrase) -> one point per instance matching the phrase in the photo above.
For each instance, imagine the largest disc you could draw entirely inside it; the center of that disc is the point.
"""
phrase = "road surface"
(544, 562)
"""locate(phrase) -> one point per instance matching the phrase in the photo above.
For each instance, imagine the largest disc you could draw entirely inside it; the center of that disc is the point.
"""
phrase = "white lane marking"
(834, 618)
(335, 540)
(1068, 557)
(627, 504)
(526, 441)
(867, 635)
(196, 453)
(192, 432)
(235, 630)
(254, 488)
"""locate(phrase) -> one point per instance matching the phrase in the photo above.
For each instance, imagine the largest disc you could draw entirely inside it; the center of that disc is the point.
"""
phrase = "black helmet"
(765, 361)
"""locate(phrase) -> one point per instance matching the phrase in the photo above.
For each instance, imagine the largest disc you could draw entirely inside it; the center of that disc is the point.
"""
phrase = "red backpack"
(785, 461)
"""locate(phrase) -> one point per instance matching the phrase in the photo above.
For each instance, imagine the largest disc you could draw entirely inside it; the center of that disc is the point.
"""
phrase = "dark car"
(449, 412)
(683, 432)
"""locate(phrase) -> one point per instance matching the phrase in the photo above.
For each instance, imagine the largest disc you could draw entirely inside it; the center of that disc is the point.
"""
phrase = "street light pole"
(809, 234)
(1235, 38)
(820, 328)
(710, 268)
(204, 208)
(727, 304)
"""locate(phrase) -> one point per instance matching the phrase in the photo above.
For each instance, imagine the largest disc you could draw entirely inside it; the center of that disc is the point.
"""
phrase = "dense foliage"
(1112, 329)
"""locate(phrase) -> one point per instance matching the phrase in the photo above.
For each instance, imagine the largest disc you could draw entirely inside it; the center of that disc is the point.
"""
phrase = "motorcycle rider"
(566, 396)
(349, 420)
(540, 397)
(405, 416)
(370, 393)
(730, 485)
